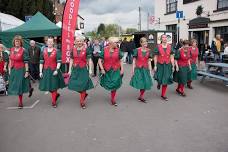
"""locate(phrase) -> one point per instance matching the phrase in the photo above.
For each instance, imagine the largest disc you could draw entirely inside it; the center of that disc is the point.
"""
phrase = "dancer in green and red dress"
(164, 65)
(79, 74)
(141, 70)
(50, 74)
(18, 70)
(111, 68)
(183, 66)
(194, 53)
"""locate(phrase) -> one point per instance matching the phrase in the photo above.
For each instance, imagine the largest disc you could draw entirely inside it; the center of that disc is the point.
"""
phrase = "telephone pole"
(140, 17)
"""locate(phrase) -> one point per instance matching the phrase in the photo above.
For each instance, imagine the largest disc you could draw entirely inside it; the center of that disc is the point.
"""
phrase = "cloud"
(122, 12)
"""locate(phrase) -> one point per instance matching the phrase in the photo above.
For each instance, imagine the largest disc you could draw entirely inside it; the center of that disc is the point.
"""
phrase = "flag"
(69, 24)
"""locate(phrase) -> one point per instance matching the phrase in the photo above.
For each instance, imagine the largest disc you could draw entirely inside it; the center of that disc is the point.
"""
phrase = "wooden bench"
(210, 75)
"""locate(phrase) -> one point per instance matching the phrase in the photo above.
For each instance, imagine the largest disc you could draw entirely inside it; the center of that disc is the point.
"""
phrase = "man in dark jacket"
(130, 49)
(123, 47)
(34, 59)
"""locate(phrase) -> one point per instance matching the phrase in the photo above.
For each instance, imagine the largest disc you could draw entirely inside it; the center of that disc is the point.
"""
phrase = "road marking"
(29, 107)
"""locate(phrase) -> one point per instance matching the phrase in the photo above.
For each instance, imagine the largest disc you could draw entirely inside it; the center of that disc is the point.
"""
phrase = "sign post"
(179, 15)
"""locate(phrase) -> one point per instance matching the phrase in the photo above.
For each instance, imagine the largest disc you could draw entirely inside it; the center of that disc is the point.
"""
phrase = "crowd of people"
(171, 64)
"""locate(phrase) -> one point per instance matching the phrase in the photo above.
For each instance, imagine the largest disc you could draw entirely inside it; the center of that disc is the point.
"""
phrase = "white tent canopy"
(77, 32)
(8, 22)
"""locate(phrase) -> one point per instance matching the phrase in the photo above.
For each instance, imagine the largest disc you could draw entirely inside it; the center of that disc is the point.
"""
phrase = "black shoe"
(158, 86)
(142, 100)
(54, 105)
(164, 98)
(114, 103)
(30, 92)
(20, 106)
(83, 106)
(189, 86)
(183, 94)
(178, 91)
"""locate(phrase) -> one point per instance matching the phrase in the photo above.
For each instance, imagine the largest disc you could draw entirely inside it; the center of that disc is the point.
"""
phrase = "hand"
(69, 73)
(5, 69)
(190, 68)
(26, 75)
(177, 68)
(55, 73)
(121, 72)
(102, 71)
(155, 68)
(41, 75)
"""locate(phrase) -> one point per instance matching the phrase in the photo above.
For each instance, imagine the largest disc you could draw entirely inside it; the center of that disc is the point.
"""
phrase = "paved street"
(197, 123)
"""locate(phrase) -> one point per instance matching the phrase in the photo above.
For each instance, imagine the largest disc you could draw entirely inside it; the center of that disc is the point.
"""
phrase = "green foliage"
(199, 10)
(22, 8)
(131, 30)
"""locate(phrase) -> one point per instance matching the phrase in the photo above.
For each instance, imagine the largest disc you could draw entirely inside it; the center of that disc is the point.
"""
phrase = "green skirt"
(181, 76)
(17, 83)
(50, 82)
(112, 80)
(80, 80)
(192, 75)
(164, 74)
(141, 79)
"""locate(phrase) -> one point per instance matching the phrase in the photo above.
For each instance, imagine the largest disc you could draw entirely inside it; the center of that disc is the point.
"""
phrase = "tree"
(21, 8)
(101, 29)
(199, 10)
(131, 30)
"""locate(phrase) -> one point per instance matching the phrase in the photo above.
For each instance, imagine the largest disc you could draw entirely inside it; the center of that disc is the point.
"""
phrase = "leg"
(163, 95)
(189, 84)
(82, 99)
(141, 96)
(113, 97)
(54, 95)
(182, 90)
(20, 102)
(30, 89)
(95, 61)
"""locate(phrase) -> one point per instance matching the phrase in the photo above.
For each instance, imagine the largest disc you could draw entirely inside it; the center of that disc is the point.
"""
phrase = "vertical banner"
(69, 24)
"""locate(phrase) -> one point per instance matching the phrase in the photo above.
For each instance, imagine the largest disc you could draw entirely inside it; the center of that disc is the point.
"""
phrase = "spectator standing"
(34, 59)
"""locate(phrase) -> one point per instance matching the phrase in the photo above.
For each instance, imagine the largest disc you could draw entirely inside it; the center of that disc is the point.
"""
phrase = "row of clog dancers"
(183, 63)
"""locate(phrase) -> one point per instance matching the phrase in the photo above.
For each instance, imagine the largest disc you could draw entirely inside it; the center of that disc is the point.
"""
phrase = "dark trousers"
(34, 70)
(95, 62)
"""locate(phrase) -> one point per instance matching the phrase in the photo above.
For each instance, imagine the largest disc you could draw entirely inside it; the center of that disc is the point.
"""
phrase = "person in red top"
(183, 66)
(79, 74)
(111, 68)
(194, 53)
(141, 70)
(50, 74)
(18, 70)
(164, 65)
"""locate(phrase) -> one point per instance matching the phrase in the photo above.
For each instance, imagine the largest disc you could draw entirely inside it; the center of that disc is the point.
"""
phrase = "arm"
(133, 66)
(90, 64)
(101, 66)
(150, 67)
(70, 66)
(121, 67)
(155, 62)
(189, 64)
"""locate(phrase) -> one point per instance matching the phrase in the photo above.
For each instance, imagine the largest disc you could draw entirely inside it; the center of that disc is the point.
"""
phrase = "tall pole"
(140, 21)
(148, 18)
(140, 17)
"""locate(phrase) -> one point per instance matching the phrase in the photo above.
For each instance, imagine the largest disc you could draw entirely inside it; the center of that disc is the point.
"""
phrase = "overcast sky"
(122, 12)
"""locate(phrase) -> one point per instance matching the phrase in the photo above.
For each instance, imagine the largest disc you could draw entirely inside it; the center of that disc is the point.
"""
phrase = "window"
(173, 27)
(188, 1)
(223, 31)
(222, 4)
(171, 6)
